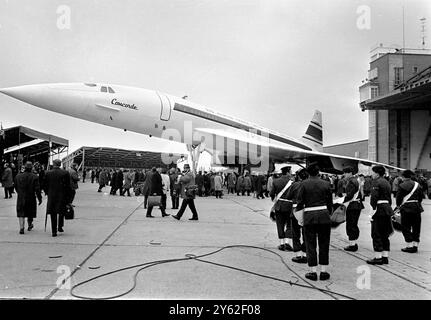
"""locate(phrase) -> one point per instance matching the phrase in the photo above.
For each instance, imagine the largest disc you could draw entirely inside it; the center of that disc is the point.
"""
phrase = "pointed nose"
(24, 93)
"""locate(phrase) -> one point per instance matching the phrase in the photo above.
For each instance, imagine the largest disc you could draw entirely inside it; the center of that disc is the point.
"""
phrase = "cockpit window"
(90, 84)
(111, 90)
(103, 89)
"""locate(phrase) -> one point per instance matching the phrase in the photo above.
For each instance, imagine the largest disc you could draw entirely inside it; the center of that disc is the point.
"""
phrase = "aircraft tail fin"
(313, 136)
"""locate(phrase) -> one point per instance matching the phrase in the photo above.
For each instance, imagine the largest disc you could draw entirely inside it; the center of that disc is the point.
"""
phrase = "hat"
(380, 170)
(408, 174)
(285, 169)
(186, 166)
(348, 170)
(28, 165)
(56, 162)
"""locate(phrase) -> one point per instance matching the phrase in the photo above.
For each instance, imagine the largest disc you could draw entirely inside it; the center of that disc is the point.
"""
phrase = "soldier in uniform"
(410, 211)
(292, 194)
(283, 210)
(315, 197)
(354, 207)
(381, 226)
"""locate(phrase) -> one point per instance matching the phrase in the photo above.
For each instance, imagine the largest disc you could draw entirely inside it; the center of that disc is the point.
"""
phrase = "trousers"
(191, 204)
(321, 234)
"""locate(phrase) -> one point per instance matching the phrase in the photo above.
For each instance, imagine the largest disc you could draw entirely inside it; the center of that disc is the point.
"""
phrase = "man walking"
(187, 180)
(155, 186)
(58, 188)
(28, 188)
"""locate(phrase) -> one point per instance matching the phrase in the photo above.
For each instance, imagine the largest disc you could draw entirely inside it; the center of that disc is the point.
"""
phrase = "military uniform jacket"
(315, 192)
(352, 186)
(381, 190)
(403, 190)
(292, 193)
(278, 185)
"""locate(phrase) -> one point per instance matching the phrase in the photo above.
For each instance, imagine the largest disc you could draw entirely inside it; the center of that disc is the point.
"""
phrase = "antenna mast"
(423, 22)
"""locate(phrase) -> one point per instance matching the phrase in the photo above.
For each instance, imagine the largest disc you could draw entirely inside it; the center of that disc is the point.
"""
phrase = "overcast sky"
(269, 62)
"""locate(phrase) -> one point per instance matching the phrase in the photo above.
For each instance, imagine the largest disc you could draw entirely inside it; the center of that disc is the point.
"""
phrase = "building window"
(415, 70)
(111, 90)
(398, 76)
(374, 92)
(103, 89)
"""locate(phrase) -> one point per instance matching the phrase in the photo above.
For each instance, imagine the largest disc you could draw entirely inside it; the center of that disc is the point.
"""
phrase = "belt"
(294, 205)
(410, 201)
(285, 200)
(382, 201)
(315, 208)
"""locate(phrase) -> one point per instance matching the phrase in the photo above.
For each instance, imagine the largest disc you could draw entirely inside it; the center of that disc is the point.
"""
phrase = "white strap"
(282, 191)
(355, 196)
(407, 197)
(315, 208)
(382, 201)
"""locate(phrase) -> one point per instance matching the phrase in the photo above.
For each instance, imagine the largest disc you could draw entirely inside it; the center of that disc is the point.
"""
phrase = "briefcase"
(69, 213)
(154, 201)
(338, 216)
(396, 220)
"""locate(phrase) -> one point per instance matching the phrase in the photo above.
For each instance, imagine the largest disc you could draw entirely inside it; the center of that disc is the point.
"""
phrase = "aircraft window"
(111, 90)
(103, 89)
(90, 84)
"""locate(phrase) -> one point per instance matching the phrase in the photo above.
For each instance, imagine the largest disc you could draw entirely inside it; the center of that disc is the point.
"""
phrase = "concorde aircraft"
(162, 115)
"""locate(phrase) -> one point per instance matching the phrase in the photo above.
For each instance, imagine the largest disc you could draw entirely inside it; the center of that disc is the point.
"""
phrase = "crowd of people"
(304, 203)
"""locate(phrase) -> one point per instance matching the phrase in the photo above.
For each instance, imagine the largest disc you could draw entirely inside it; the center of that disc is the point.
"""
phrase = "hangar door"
(165, 105)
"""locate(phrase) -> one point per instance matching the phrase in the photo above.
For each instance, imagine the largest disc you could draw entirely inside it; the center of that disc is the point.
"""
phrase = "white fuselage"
(144, 111)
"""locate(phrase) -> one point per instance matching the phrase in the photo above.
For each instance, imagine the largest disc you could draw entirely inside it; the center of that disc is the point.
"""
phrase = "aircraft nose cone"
(29, 93)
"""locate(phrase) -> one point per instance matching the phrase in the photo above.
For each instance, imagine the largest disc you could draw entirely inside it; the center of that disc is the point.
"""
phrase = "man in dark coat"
(381, 226)
(114, 183)
(353, 199)
(58, 188)
(283, 209)
(315, 197)
(28, 188)
(155, 188)
(410, 209)
(119, 181)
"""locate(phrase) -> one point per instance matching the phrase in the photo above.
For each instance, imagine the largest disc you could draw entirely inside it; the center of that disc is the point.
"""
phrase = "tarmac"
(112, 232)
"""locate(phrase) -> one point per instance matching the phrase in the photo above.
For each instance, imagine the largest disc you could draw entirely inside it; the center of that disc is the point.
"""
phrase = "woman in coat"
(7, 181)
(218, 185)
(231, 182)
(240, 185)
(247, 184)
(28, 188)
(128, 178)
(103, 179)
